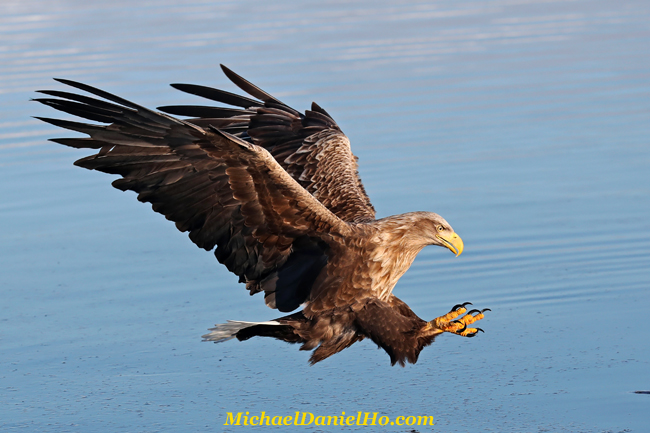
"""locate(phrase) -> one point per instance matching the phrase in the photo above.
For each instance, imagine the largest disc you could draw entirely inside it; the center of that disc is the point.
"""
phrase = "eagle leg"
(452, 322)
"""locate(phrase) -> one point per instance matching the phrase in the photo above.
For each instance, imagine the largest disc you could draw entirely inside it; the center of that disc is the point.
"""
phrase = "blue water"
(526, 124)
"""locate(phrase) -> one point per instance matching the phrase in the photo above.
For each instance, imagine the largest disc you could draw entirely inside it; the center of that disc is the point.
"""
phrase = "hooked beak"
(453, 242)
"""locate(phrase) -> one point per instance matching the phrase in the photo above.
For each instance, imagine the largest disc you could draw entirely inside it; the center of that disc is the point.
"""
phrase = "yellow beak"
(453, 242)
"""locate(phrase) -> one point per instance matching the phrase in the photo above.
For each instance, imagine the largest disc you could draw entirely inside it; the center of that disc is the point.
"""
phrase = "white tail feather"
(227, 331)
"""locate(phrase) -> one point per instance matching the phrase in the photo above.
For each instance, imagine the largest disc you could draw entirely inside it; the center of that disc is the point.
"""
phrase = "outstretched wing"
(223, 190)
(310, 146)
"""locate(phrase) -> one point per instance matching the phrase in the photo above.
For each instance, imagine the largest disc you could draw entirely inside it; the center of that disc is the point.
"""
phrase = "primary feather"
(277, 195)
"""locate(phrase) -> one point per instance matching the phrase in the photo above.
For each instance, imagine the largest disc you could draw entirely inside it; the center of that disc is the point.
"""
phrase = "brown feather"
(279, 196)
(310, 147)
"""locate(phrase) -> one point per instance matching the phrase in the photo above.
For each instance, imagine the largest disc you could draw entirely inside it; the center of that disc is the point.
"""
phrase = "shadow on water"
(525, 124)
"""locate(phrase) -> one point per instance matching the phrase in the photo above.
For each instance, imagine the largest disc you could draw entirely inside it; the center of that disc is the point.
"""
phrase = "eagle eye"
(440, 228)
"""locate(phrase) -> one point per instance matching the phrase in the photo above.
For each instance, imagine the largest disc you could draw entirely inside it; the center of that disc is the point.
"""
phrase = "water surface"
(524, 123)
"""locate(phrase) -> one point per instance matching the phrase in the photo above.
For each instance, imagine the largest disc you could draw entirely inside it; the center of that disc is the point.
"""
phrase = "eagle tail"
(280, 329)
(229, 330)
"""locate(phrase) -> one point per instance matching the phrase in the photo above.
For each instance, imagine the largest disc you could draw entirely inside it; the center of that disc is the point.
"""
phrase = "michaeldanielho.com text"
(308, 418)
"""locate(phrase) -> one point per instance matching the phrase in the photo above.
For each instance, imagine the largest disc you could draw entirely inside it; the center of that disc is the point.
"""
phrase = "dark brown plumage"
(278, 194)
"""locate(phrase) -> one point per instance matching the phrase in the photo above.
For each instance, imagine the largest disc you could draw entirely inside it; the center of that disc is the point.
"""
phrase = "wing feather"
(225, 191)
(310, 146)
(217, 95)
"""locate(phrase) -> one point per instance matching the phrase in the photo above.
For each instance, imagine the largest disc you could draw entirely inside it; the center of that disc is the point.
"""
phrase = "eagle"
(277, 195)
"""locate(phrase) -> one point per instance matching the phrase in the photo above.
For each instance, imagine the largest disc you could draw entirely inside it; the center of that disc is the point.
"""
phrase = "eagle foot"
(452, 322)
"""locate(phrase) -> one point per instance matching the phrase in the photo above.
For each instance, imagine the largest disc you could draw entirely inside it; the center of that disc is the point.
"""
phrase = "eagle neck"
(395, 244)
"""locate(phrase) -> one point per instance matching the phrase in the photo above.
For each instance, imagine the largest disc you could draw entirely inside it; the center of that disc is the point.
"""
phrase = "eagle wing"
(224, 191)
(310, 147)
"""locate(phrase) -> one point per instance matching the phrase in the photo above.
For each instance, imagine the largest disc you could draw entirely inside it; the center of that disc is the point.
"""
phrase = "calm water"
(525, 123)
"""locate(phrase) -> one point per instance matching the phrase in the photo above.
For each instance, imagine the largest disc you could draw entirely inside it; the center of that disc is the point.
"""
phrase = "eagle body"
(368, 262)
(276, 195)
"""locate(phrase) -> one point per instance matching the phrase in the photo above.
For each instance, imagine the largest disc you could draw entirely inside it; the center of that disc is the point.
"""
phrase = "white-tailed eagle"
(278, 194)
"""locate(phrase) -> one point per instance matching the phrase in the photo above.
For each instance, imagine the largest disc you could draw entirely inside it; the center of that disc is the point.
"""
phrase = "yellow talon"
(468, 319)
(469, 332)
(452, 324)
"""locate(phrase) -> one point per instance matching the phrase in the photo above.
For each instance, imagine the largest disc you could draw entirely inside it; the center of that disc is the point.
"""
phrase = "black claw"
(473, 311)
(485, 309)
(460, 330)
(479, 329)
(459, 306)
